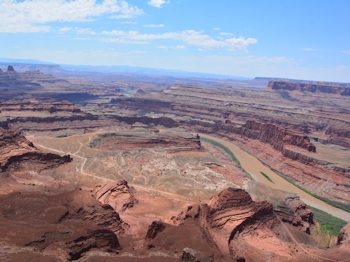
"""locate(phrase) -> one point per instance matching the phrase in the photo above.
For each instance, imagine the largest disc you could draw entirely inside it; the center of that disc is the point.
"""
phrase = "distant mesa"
(10, 69)
(28, 67)
(327, 88)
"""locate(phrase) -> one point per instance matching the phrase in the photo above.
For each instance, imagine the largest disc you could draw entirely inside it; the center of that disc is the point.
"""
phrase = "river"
(253, 166)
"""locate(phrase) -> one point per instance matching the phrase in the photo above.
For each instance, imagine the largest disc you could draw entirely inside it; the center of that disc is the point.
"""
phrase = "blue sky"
(294, 39)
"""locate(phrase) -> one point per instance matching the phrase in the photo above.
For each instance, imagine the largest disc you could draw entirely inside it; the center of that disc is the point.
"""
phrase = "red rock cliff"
(15, 149)
(313, 88)
(267, 133)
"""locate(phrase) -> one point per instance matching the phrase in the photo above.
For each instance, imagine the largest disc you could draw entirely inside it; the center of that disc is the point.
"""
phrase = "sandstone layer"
(65, 226)
(306, 87)
(17, 153)
(170, 139)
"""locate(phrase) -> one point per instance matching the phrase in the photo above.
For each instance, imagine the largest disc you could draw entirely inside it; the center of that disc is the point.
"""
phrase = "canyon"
(113, 166)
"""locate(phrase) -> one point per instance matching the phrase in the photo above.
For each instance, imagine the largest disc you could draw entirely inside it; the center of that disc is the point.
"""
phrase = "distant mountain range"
(35, 65)
(24, 61)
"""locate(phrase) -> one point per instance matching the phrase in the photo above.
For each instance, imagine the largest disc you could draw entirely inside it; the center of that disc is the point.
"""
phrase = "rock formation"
(287, 206)
(174, 140)
(344, 236)
(232, 226)
(118, 194)
(338, 136)
(39, 106)
(190, 255)
(65, 225)
(154, 229)
(10, 69)
(27, 67)
(232, 212)
(303, 217)
(275, 136)
(271, 134)
(17, 153)
(307, 87)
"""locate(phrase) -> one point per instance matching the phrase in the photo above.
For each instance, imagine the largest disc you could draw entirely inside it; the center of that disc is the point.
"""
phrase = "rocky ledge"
(271, 134)
(39, 106)
(16, 153)
(307, 87)
(64, 226)
(173, 140)
(117, 194)
(229, 226)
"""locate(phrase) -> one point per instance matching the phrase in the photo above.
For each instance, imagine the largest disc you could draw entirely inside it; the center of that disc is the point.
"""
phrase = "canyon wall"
(207, 108)
(49, 106)
(17, 152)
(267, 133)
(307, 87)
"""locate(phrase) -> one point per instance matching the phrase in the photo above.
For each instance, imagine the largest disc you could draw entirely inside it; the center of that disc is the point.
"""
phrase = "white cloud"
(191, 37)
(157, 3)
(129, 22)
(123, 41)
(64, 29)
(32, 15)
(153, 25)
(216, 29)
(346, 52)
(85, 31)
(172, 47)
(77, 30)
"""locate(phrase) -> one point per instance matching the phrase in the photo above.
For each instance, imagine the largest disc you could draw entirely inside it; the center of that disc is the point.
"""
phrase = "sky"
(274, 38)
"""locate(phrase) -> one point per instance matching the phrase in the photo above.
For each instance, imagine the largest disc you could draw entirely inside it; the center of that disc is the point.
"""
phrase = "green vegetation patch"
(225, 148)
(329, 224)
(343, 206)
(267, 177)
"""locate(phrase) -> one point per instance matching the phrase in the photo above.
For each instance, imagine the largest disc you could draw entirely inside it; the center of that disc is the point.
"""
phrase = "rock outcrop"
(276, 136)
(17, 153)
(154, 229)
(27, 67)
(229, 221)
(12, 144)
(344, 236)
(173, 140)
(240, 228)
(232, 212)
(10, 69)
(39, 106)
(190, 255)
(271, 134)
(287, 206)
(116, 194)
(338, 136)
(164, 121)
(308, 87)
(303, 217)
(68, 224)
